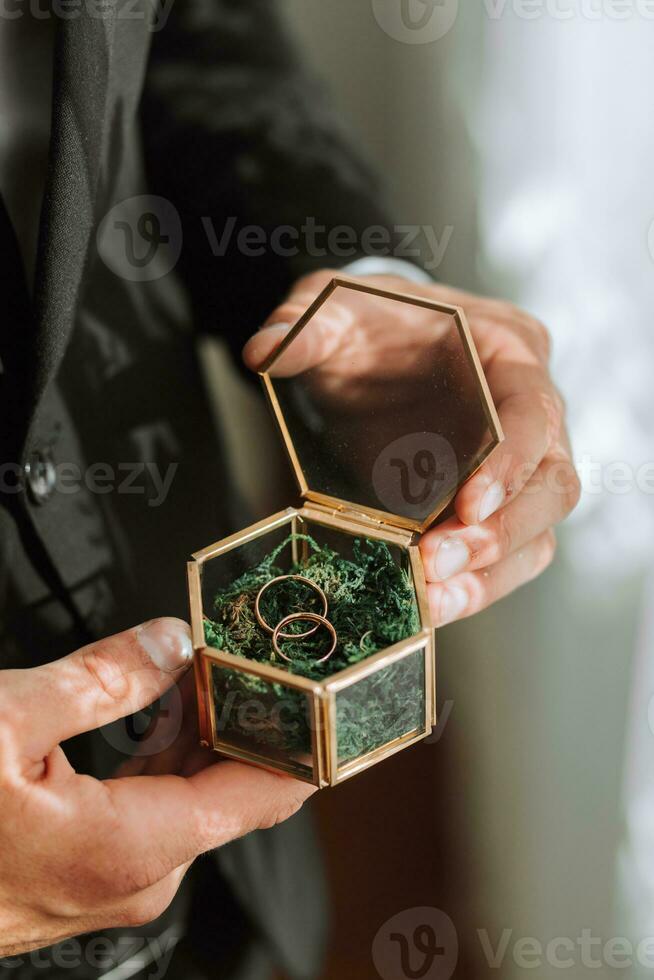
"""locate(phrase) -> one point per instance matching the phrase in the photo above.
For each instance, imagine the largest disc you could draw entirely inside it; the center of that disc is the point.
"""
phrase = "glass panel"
(382, 403)
(268, 719)
(272, 720)
(367, 583)
(218, 573)
(380, 708)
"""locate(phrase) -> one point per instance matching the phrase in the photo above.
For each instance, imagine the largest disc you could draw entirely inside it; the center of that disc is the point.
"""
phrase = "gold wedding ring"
(293, 618)
(290, 636)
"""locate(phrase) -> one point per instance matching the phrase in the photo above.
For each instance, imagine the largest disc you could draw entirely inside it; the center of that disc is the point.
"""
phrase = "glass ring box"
(384, 412)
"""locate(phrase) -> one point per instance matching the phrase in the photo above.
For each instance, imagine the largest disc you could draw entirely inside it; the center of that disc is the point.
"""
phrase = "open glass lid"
(382, 403)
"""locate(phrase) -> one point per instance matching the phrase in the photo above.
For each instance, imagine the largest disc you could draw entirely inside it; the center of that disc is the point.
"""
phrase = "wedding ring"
(280, 578)
(293, 618)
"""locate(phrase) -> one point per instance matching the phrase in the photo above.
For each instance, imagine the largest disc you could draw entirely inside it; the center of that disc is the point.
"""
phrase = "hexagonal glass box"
(384, 411)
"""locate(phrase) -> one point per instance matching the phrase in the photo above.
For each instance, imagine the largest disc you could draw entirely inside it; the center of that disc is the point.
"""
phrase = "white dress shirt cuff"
(373, 265)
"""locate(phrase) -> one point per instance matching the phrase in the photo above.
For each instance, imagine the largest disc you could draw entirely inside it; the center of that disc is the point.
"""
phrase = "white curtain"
(533, 139)
(562, 127)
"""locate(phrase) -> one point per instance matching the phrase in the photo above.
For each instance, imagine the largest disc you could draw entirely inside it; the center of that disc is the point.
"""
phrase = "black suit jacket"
(214, 112)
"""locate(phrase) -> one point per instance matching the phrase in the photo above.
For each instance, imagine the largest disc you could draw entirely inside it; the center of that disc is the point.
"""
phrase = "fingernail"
(452, 557)
(453, 602)
(492, 499)
(276, 326)
(167, 642)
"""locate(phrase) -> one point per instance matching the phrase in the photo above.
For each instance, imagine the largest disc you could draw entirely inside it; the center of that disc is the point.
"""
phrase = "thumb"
(327, 323)
(100, 682)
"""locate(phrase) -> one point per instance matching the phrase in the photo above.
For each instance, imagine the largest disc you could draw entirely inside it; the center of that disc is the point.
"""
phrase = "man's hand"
(77, 854)
(502, 533)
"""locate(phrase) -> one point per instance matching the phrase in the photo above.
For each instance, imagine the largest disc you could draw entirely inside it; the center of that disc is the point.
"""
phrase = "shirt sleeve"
(373, 265)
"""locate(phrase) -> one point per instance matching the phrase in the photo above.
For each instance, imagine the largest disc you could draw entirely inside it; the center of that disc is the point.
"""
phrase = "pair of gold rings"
(278, 633)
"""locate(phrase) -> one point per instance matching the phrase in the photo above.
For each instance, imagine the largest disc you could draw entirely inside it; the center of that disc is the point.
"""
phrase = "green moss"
(371, 605)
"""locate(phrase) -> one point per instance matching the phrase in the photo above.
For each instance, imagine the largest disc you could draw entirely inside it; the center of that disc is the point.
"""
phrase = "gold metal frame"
(358, 672)
(211, 656)
(352, 519)
(322, 696)
(492, 418)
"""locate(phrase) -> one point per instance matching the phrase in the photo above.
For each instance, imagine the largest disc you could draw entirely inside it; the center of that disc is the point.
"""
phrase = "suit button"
(41, 476)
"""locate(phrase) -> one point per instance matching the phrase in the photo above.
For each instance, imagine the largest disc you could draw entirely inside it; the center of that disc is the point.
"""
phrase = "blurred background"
(520, 133)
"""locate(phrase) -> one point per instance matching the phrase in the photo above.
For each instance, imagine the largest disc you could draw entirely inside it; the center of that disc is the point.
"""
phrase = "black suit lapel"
(15, 341)
(82, 63)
